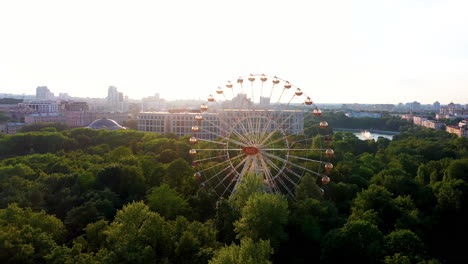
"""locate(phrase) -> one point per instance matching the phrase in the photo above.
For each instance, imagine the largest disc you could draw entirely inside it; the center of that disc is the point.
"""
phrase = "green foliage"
(26, 236)
(458, 169)
(356, 242)
(396, 181)
(128, 181)
(404, 242)
(314, 218)
(377, 206)
(248, 252)
(307, 188)
(40, 126)
(33, 142)
(167, 202)
(263, 217)
(451, 195)
(251, 184)
(179, 175)
(404, 200)
(397, 259)
(137, 235)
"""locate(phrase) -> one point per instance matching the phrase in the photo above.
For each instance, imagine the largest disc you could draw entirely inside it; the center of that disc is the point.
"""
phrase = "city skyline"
(339, 52)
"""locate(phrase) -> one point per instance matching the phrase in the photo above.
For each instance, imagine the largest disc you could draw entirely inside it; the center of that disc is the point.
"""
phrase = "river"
(360, 133)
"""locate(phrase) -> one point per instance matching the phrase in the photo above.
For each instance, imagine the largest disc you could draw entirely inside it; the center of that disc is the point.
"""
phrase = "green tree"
(248, 252)
(167, 202)
(224, 220)
(451, 195)
(138, 235)
(307, 188)
(27, 236)
(179, 175)
(251, 183)
(356, 242)
(396, 181)
(458, 169)
(404, 242)
(397, 259)
(263, 217)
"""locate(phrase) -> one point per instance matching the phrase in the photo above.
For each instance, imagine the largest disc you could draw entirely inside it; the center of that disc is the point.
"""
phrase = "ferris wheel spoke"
(281, 95)
(281, 172)
(216, 165)
(273, 165)
(211, 141)
(232, 140)
(275, 141)
(289, 149)
(292, 142)
(225, 138)
(286, 176)
(267, 126)
(267, 174)
(244, 130)
(247, 164)
(302, 140)
(273, 132)
(234, 170)
(238, 179)
(216, 175)
(291, 99)
(271, 90)
(233, 129)
(218, 126)
(306, 159)
(210, 158)
(295, 124)
(293, 164)
(294, 173)
(277, 177)
(217, 149)
(285, 187)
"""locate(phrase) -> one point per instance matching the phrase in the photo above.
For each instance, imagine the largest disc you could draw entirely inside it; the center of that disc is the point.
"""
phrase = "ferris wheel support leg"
(247, 164)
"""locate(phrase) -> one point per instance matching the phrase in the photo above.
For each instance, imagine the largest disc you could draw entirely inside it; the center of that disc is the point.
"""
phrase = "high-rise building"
(116, 101)
(414, 106)
(43, 93)
(436, 107)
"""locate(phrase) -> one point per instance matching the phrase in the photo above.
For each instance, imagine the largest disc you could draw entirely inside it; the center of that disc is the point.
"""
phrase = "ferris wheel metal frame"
(237, 132)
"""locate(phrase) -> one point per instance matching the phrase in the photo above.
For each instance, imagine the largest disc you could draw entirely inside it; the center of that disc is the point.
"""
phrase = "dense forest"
(97, 196)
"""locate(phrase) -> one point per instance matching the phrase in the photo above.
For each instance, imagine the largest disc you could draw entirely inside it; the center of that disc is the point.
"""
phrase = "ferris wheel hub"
(250, 150)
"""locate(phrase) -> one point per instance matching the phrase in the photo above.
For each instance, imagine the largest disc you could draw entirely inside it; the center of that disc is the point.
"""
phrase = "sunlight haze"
(338, 51)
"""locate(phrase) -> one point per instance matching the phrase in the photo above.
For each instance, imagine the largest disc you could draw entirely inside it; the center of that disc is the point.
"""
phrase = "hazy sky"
(365, 51)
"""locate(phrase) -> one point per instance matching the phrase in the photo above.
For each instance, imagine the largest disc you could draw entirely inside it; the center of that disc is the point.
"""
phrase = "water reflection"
(366, 135)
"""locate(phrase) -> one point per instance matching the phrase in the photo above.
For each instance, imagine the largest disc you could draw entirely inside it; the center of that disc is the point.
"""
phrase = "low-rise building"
(75, 118)
(10, 127)
(455, 130)
(408, 117)
(432, 124)
(44, 118)
(418, 120)
(41, 106)
(219, 123)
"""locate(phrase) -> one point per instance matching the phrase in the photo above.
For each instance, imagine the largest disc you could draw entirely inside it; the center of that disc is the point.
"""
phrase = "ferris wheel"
(255, 124)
